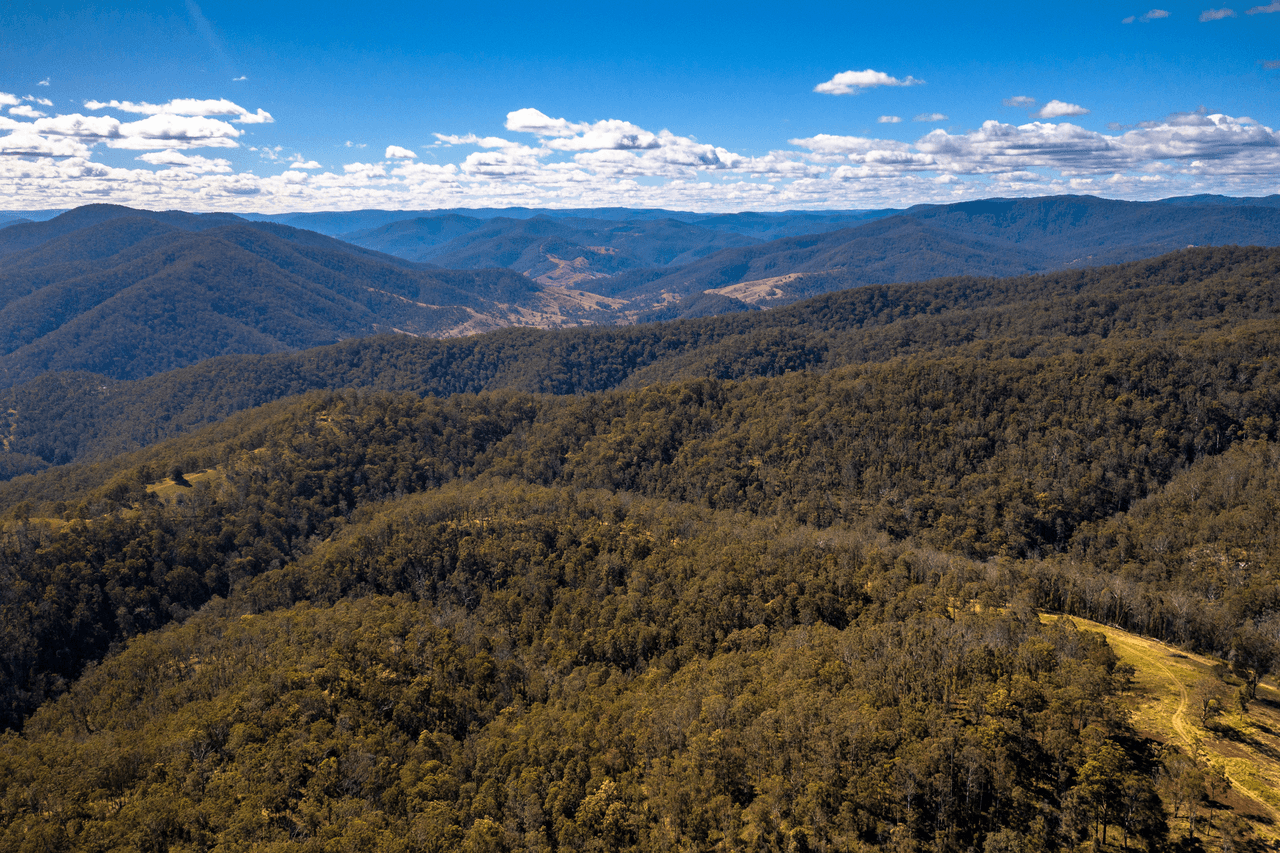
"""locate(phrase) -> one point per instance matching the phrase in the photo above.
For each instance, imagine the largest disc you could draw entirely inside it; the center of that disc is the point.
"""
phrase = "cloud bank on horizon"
(49, 161)
(893, 112)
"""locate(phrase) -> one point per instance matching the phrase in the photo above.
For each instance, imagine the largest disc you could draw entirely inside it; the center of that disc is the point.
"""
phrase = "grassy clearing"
(1168, 685)
(169, 491)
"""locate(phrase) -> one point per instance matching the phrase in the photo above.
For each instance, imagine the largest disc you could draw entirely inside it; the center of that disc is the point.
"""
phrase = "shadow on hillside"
(1249, 741)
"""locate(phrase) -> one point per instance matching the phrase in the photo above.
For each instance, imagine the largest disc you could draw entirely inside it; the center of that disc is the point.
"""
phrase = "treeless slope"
(1246, 746)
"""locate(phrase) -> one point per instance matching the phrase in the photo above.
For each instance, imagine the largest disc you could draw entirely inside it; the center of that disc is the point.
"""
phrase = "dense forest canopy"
(763, 581)
(68, 417)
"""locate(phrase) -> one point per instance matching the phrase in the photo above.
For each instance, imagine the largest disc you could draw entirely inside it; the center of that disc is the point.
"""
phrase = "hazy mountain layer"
(128, 296)
(779, 585)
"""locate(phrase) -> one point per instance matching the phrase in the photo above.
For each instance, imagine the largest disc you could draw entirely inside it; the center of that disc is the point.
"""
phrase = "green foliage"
(786, 600)
(76, 417)
(570, 670)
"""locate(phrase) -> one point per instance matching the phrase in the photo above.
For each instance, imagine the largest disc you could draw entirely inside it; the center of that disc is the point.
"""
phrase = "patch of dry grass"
(1166, 708)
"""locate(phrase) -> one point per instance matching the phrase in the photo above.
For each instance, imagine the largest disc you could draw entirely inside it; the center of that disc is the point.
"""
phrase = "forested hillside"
(569, 252)
(127, 296)
(763, 581)
(991, 237)
(649, 257)
(68, 417)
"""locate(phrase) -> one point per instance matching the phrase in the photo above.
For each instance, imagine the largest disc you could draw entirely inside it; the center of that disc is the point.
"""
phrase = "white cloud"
(187, 107)
(194, 163)
(1021, 177)
(239, 79)
(609, 134)
(529, 120)
(366, 169)
(44, 82)
(930, 117)
(26, 110)
(851, 82)
(175, 131)
(9, 100)
(1057, 109)
(48, 162)
(1021, 101)
(472, 139)
(1265, 10)
(44, 102)
(74, 124)
(828, 144)
(1216, 14)
(1192, 142)
(29, 144)
(395, 152)
(889, 119)
(1152, 15)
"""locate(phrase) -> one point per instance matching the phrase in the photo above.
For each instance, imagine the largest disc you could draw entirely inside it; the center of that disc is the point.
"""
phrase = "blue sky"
(697, 106)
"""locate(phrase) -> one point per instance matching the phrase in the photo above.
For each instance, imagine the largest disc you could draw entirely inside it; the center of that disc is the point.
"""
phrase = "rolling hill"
(64, 417)
(560, 251)
(990, 237)
(774, 580)
(127, 296)
(651, 261)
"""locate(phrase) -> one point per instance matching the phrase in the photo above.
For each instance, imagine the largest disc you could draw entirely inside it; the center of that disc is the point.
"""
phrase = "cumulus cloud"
(9, 100)
(472, 139)
(829, 144)
(1265, 10)
(239, 79)
(889, 119)
(1216, 14)
(44, 102)
(852, 82)
(195, 163)
(1200, 143)
(608, 134)
(529, 120)
(1153, 15)
(930, 117)
(569, 162)
(395, 152)
(26, 143)
(44, 82)
(187, 107)
(154, 132)
(1021, 101)
(175, 131)
(1057, 109)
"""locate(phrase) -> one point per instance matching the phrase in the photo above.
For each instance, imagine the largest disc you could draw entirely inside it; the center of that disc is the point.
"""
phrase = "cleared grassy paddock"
(1166, 699)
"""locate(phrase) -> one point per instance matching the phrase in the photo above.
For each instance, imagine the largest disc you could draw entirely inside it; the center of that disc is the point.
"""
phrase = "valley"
(985, 560)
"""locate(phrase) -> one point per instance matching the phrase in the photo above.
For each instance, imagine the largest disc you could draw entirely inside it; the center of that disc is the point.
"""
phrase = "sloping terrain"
(564, 251)
(127, 296)
(990, 237)
(651, 261)
(761, 581)
(62, 418)
(1170, 688)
